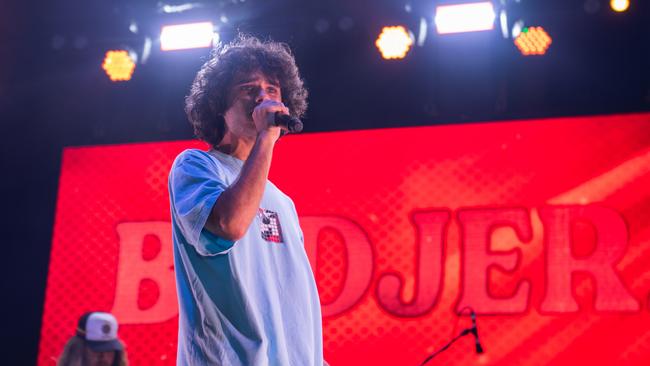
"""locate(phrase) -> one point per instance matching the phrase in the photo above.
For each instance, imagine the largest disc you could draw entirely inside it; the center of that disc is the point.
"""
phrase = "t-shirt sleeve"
(195, 183)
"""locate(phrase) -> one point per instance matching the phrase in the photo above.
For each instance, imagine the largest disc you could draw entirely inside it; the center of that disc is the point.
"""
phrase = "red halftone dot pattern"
(151, 247)
(148, 293)
(491, 165)
(378, 179)
(101, 187)
(331, 265)
(637, 352)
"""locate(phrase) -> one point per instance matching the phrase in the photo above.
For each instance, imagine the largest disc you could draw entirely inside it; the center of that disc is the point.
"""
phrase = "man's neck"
(239, 148)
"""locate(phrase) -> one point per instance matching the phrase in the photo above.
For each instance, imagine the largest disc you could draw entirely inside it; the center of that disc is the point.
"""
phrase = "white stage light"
(619, 6)
(185, 36)
(469, 17)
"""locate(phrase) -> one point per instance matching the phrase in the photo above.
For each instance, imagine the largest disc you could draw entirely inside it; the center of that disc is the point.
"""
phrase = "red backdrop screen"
(542, 227)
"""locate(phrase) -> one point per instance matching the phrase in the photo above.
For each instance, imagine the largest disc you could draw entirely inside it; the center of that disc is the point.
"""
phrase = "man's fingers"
(266, 110)
(270, 106)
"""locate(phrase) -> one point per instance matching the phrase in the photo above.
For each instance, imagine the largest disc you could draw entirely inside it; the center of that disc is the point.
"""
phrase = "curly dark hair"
(208, 99)
(73, 354)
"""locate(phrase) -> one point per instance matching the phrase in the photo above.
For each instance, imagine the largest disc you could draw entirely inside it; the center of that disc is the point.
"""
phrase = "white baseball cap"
(100, 331)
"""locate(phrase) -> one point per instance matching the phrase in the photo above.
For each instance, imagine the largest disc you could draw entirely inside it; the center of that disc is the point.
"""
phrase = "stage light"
(422, 34)
(619, 5)
(186, 36)
(119, 65)
(533, 41)
(394, 42)
(503, 21)
(178, 8)
(469, 17)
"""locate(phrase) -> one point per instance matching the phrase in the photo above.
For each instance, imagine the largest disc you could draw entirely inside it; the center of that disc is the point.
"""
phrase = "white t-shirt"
(249, 302)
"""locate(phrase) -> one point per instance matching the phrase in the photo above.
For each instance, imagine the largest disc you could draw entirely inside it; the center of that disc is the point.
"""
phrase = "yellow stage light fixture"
(119, 66)
(619, 5)
(394, 42)
(533, 41)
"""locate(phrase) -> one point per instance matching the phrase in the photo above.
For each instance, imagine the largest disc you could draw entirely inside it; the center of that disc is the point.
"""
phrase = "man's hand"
(236, 207)
(264, 116)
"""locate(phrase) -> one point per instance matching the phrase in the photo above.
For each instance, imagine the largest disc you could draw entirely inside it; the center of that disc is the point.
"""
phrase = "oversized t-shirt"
(249, 302)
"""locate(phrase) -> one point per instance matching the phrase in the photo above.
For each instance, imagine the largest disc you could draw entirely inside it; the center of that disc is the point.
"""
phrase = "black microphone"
(293, 124)
(474, 331)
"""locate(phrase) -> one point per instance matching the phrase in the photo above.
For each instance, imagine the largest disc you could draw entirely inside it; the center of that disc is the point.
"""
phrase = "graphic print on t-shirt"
(270, 225)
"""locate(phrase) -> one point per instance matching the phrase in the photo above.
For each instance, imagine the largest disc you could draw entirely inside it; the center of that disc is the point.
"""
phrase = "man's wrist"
(268, 135)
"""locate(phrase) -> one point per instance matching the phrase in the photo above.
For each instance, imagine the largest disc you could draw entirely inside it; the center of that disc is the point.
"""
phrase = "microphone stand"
(473, 330)
(452, 341)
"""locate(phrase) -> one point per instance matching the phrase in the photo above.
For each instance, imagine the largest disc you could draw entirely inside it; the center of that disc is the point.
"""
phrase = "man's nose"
(262, 95)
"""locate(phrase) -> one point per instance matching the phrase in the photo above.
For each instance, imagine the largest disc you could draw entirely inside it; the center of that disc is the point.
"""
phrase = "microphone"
(474, 331)
(293, 124)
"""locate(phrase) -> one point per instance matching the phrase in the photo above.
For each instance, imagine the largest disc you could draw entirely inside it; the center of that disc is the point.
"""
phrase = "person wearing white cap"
(95, 343)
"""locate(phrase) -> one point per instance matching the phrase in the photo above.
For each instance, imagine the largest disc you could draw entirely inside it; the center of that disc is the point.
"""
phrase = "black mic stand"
(473, 330)
(452, 341)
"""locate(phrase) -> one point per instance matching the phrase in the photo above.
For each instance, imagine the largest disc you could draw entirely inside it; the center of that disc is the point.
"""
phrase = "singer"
(246, 291)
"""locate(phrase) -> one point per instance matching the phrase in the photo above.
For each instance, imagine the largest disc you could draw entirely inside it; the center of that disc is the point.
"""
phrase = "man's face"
(247, 91)
(99, 358)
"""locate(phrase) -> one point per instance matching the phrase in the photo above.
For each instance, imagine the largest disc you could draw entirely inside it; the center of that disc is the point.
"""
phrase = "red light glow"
(542, 226)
